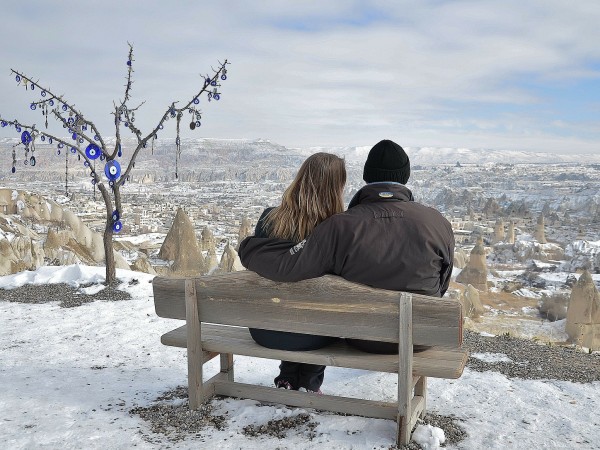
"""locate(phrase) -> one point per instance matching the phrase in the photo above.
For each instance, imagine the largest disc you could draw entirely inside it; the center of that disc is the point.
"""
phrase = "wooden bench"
(219, 309)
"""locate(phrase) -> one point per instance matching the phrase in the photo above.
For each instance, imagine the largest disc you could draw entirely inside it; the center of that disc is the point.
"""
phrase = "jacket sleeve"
(282, 260)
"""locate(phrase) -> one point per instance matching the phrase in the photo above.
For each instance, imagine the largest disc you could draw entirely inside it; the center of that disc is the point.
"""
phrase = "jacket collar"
(371, 194)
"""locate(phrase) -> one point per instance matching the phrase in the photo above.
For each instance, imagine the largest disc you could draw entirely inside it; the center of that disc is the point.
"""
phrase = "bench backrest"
(329, 306)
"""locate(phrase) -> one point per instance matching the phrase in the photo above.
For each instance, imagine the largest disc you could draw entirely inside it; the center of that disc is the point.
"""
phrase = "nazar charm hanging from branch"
(79, 135)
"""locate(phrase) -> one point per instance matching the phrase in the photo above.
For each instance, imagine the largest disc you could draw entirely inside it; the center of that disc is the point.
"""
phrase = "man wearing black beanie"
(385, 239)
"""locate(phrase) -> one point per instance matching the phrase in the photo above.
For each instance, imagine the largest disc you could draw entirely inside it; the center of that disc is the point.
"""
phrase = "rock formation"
(583, 314)
(142, 264)
(510, 235)
(498, 231)
(460, 258)
(181, 247)
(207, 240)
(470, 302)
(211, 260)
(230, 261)
(540, 232)
(475, 273)
(245, 231)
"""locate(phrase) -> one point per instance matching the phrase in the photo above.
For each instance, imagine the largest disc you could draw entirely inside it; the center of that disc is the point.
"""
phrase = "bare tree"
(83, 132)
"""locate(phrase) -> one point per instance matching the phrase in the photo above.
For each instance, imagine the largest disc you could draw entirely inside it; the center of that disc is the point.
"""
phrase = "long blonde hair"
(315, 194)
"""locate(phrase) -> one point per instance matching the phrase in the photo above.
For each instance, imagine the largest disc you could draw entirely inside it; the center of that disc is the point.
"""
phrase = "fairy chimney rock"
(471, 303)
(181, 247)
(475, 273)
(510, 236)
(540, 232)
(211, 260)
(207, 240)
(583, 314)
(245, 231)
(230, 261)
(499, 231)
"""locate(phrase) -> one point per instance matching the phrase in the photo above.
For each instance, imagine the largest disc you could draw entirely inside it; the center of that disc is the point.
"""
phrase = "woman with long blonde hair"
(315, 194)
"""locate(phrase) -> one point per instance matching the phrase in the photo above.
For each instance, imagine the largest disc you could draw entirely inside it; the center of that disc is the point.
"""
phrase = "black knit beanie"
(387, 161)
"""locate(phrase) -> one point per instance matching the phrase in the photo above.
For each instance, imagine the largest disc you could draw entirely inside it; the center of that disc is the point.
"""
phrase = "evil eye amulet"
(92, 151)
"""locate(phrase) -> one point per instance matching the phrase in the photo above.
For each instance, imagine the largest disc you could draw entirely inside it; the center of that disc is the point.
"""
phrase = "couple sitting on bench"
(384, 239)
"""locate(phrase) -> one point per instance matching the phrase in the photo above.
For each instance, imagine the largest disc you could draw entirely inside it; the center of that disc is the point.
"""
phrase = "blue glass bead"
(14, 169)
(84, 127)
(207, 81)
(119, 153)
(92, 151)
(177, 141)
(64, 107)
(43, 93)
(117, 226)
(196, 101)
(32, 107)
(26, 137)
(43, 138)
(112, 170)
(51, 102)
(101, 157)
(78, 157)
(129, 62)
(60, 145)
(96, 138)
(18, 128)
(223, 77)
(198, 123)
(86, 164)
(126, 124)
(70, 121)
(3, 123)
(213, 83)
(81, 140)
(93, 181)
(217, 96)
(50, 140)
(74, 136)
(73, 150)
(58, 152)
(32, 86)
(18, 78)
(32, 161)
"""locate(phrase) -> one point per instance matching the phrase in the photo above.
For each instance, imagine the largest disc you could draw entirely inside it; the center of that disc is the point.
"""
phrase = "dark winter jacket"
(384, 240)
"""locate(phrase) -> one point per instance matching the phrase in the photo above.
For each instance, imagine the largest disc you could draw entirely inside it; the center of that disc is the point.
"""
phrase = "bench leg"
(194, 346)
(405, 376)
(421, 389)
(227, 365)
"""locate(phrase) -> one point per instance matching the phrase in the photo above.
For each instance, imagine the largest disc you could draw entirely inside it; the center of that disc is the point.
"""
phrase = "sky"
(518, 75)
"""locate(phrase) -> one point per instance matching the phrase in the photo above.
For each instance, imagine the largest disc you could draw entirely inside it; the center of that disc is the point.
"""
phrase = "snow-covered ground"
(69, 377)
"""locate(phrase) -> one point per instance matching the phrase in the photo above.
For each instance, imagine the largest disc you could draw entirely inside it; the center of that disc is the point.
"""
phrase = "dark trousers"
(298, 375)
(382, 348)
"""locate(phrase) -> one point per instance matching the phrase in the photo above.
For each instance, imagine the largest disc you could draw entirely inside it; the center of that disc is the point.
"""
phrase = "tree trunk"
(109, 256)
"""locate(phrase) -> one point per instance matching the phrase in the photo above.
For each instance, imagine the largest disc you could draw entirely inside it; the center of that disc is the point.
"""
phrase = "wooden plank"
(417, 408)
(358, 407)
(433, 362)
(227, 365)
(421, 391)
(323, 306)
(194, 349)
(405, 370)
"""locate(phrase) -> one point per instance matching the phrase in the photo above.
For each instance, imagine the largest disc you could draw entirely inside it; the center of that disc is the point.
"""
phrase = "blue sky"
(522, 75)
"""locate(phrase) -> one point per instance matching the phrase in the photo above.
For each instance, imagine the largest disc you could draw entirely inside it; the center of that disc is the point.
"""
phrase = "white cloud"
(419, 72)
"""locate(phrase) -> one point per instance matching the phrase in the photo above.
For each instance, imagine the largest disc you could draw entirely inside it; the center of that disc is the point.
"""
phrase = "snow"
(428, 437)
(69, 377)
(491, 357)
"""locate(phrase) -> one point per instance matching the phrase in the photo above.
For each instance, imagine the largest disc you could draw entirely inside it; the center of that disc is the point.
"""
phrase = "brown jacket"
(384, 240)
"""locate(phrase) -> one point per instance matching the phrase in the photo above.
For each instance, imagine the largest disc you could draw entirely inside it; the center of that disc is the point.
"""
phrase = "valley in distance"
(527, 225)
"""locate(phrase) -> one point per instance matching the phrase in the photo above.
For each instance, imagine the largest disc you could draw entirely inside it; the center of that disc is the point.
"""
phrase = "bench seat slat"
(434, 362)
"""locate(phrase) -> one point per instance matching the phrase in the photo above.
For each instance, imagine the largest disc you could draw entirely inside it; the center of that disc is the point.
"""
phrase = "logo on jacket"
(296, 248)
(386, 194)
